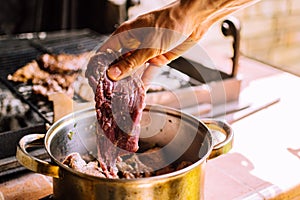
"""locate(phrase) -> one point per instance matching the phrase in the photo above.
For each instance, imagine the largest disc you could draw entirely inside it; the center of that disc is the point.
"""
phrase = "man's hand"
(161, 36)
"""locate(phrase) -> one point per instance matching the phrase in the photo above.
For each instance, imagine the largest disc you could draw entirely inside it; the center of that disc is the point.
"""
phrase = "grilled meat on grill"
(62, 63)
(51, 73)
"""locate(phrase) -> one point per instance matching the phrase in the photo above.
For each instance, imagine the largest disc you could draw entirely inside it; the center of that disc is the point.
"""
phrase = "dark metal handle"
(231, 27)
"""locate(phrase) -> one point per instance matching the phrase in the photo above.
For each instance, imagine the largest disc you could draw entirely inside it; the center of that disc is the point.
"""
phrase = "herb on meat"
(70, 135)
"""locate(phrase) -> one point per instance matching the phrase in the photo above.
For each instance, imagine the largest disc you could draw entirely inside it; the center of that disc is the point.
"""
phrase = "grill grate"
(15, 114)
(15, 54)
(73, 43)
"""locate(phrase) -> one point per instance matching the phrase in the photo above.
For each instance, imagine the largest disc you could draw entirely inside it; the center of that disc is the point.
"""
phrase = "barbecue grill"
(18, 50)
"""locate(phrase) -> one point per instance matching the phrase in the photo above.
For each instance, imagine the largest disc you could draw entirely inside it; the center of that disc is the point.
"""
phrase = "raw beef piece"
(119, 107)
(119, 110)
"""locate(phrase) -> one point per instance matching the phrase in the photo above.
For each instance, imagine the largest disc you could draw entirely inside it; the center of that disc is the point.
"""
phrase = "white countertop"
(265, 160)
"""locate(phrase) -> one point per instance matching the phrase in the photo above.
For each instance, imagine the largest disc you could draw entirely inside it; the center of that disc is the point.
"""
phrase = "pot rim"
(158, 108)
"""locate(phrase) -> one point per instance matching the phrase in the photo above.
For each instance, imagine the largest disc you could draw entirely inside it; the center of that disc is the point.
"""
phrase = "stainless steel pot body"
(180, 136)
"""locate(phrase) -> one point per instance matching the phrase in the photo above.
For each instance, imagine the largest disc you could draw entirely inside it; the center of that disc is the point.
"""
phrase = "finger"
(180, 49)
(149, 75)
(169, 56)
(129, 64)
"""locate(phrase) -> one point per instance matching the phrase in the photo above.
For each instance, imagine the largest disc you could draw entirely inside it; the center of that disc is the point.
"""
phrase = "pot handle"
(32, 163)
(222, 135)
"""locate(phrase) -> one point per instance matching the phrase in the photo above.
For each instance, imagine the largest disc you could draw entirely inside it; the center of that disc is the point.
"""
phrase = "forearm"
(188, 18)
(212, 9)
(198, 5)
(200, 15)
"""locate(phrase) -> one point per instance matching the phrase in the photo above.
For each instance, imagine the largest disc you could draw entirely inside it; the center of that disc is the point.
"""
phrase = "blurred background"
(270, 32)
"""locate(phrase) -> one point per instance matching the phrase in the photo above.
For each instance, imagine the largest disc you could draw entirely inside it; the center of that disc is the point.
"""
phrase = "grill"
(15, 52)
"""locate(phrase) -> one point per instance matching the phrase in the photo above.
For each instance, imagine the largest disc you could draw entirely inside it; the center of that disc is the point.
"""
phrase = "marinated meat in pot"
(119, 107)
(75, 162)
(127, 166)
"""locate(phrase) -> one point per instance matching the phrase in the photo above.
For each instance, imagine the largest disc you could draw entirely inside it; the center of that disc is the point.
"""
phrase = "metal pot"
(181, 136)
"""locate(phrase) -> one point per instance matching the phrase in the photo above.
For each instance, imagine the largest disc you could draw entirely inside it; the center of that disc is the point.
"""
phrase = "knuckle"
(130, 63)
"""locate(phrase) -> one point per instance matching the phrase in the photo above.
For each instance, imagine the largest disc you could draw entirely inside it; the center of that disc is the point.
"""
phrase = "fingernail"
(114, 72)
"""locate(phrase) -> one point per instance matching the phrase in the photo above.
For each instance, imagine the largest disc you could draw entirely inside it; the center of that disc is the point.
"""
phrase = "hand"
(161, 36)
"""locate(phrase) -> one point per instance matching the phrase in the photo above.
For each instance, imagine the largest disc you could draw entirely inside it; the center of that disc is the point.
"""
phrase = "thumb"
(130, 63)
